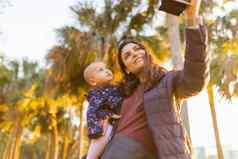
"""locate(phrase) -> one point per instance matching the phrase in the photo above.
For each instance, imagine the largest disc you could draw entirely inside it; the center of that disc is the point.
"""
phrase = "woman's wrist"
(192, 18)
(193, 22)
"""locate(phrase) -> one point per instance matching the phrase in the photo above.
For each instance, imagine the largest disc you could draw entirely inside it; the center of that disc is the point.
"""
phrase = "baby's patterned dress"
(103, 102)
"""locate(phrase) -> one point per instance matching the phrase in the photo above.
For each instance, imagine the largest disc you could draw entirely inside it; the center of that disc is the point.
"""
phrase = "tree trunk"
(48, 149)
(8, 149)
(66, 146)
(12, 145)
(55, 140)
(83, 133)
(78, 149)
(10, 155)
(214, 121)
(175, 42)
(177, 59)
(17, 144)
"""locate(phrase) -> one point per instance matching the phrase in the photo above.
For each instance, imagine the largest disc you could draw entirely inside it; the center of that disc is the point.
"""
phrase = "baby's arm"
(95, 128)
(97, 145)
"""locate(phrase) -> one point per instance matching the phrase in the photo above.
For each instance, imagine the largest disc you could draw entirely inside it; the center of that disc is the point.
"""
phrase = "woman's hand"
(115, 116)
(105, 125)
(192, 10)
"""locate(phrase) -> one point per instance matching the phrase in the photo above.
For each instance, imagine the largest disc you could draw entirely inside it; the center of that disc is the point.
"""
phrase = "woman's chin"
(140, 65)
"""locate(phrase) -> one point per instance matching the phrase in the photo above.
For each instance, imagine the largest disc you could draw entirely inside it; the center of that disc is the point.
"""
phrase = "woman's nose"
(134, 55)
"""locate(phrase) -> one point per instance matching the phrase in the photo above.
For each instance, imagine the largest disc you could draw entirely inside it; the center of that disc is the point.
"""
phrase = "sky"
(28, 27)
(28, 30)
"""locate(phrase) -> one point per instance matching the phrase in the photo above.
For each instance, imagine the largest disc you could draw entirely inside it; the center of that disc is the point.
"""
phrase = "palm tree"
(223, 65)
(177, 60)
(15, 91)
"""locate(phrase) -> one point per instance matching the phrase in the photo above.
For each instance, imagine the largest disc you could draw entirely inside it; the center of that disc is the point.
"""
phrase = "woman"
(150, 126)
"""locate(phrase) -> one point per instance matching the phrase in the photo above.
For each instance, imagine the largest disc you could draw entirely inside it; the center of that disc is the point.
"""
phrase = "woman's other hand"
(115, 116)
(105, 124)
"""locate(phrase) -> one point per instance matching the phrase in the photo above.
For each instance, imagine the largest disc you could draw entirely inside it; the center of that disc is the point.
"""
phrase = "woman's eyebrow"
(125, 54)
(136, 47)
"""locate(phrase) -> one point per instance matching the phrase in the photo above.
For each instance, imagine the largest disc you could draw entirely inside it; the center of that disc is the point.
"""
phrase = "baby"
(104, 103)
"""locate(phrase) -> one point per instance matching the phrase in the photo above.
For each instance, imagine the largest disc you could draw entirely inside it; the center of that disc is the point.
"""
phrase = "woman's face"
(133, 57)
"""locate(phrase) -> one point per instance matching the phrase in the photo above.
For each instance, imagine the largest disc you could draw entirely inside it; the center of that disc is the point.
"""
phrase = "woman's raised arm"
(195, 74)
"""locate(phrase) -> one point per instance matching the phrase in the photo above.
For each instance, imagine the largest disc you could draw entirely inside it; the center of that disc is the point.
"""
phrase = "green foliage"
(223, 47)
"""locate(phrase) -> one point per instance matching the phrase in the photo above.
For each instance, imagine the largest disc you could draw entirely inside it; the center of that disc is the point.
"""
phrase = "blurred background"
(45, 45)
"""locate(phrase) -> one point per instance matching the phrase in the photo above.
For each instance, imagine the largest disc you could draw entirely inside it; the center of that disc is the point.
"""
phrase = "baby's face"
(101, 74)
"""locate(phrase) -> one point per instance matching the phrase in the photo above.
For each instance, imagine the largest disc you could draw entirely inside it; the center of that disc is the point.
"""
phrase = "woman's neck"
(141, 77)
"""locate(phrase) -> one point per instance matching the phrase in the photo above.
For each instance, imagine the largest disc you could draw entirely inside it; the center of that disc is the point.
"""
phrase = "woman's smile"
(138, 59)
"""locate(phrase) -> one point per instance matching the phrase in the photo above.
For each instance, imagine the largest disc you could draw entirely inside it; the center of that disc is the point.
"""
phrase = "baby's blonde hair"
(88, 71)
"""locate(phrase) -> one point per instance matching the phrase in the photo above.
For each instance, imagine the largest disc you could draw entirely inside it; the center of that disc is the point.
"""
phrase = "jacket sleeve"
(195, 74)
